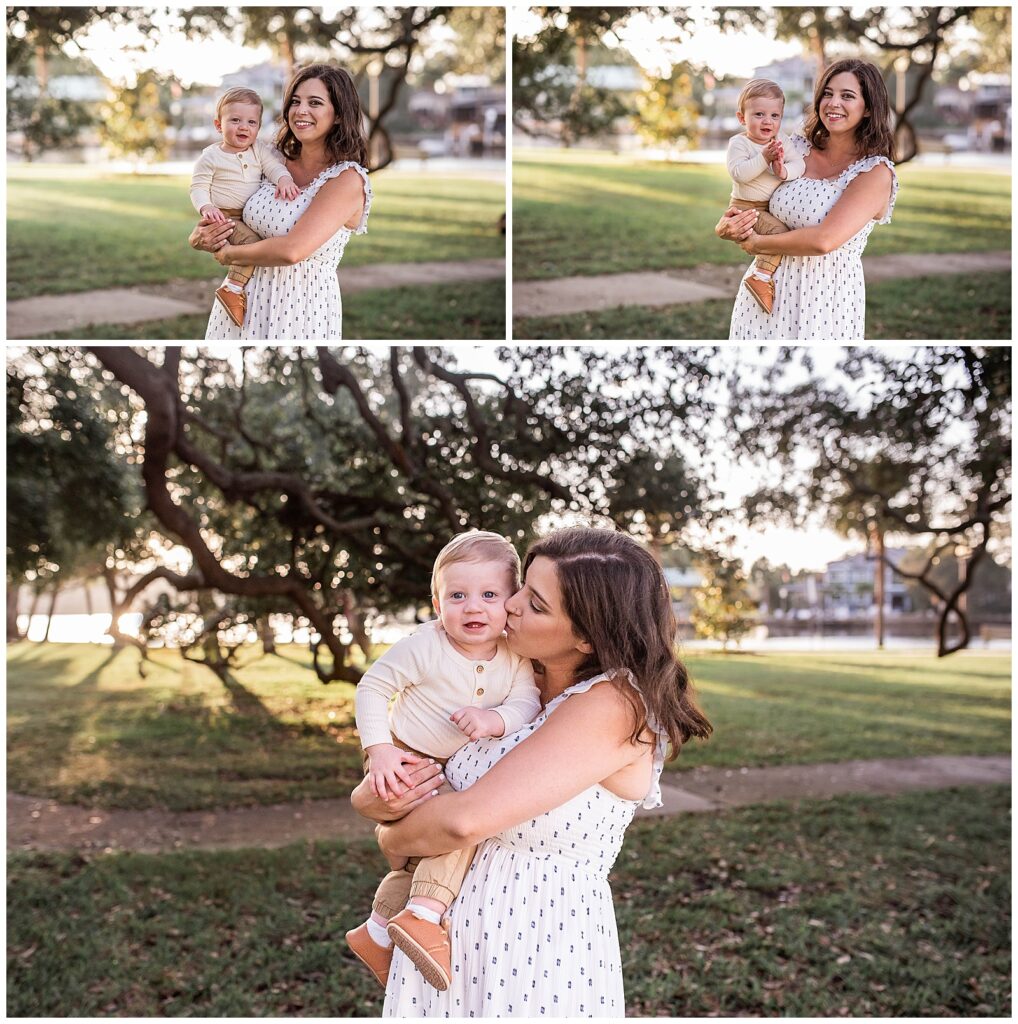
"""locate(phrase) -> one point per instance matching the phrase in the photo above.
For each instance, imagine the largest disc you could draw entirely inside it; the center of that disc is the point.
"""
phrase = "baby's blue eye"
(490, 594)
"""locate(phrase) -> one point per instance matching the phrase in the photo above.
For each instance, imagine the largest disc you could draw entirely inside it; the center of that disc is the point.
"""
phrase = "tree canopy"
(916, 445)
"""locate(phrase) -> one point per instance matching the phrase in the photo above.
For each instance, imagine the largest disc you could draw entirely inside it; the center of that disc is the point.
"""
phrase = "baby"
(759, 160)
(225, 177)
(452, 681)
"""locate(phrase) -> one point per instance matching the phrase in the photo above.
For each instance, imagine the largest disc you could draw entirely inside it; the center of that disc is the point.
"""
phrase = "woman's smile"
(842, 105)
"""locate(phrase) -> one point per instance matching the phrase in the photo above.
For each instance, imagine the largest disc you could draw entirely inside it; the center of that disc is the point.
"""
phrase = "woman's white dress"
(533, 928)
(817, 298)
(299, 301)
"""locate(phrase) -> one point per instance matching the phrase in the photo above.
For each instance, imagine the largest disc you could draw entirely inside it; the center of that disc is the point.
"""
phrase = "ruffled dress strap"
(653, 798)
(801, 145)
(867, 164)
(334, 172)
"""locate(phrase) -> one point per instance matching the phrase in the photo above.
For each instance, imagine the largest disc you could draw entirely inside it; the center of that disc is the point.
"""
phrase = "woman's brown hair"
(345, 140)
(873, 135)
(616, 597)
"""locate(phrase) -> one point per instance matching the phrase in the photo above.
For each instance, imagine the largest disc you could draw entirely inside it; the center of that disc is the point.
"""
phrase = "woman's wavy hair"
(874, 134)
(615, 594)
(346, 139)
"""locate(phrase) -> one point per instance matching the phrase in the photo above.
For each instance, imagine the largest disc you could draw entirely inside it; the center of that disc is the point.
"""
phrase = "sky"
(190, 61)
(651, 41)
(120, 53)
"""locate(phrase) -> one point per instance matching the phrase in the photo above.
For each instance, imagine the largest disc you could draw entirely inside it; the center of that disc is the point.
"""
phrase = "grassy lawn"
(877, 906)
(959, 307)
(581, 212)
(438, 312)
(84, 728)
(74, 229)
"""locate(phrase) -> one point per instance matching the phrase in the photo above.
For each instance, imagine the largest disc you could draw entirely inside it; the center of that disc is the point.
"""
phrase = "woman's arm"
(865, 199)
(337, 201)
(583, 742)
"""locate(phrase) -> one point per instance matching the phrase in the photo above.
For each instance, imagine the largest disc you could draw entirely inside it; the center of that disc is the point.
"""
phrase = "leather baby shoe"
(377, 958)
(235, 304)
(426, 944)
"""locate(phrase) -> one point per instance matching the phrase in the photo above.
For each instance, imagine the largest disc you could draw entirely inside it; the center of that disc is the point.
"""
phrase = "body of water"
(83, 629)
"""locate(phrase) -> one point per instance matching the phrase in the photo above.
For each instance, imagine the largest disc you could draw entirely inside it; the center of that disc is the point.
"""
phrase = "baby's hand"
(386, 772)
(476, 722)
(286, 188)
(772, 151)
(213, 215)
(779, 168)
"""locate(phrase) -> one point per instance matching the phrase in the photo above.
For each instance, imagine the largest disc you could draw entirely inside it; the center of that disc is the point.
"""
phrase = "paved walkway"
(38, 824)
(46, 314)
(708, 281)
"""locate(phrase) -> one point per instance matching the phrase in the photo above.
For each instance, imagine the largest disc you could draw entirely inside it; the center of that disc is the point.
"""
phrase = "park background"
(621, 117)
(109, 107)
(207, 546)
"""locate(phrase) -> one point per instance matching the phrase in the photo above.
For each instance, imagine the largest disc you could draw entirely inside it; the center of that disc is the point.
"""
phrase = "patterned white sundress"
(299, 301)
(817, 298)
(533, 928)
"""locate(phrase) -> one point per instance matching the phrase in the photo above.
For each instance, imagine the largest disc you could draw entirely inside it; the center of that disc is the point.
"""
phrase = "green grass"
(84, 728)
(959, 307)
(876, 906)
(808, 708)
(577, 212)
(439, 313)
(74, 229)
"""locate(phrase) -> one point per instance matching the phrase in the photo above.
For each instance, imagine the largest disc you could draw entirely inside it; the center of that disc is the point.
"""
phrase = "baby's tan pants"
(766, 224)
(240, 273)
(438, 877)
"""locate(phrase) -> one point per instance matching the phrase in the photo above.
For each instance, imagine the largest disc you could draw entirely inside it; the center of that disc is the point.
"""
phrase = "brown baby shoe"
(376, 957)
(762, 291)
(426, 944)
(235, 304)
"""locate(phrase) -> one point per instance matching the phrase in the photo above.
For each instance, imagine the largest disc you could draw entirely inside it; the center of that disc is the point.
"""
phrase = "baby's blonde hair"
(759, 87)
(237, 95)
(477, 546)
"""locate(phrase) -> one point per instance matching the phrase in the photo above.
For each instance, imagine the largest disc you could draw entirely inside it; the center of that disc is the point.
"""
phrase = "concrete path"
(567, 295)
(46, 314)
(39, 824)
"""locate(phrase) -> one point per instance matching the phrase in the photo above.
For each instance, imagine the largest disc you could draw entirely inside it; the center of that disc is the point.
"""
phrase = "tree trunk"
(816, 45)
(355, 622)
(877, 535)
(13, 633)
(88, 599)
(33, 607)
(268, 637)
(42, 68)
(52, 605)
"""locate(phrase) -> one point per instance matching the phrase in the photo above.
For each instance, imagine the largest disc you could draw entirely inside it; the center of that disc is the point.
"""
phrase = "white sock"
(424, 913)
(378, 934)
(233, 286)
(761, 276)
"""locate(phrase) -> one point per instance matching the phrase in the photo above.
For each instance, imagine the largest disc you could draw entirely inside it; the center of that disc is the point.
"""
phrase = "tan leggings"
(766, 224)
(240, 273)
(437, 877)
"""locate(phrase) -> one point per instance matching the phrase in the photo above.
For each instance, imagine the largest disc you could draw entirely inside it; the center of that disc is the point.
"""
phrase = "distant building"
(682, 584)
(848, 586)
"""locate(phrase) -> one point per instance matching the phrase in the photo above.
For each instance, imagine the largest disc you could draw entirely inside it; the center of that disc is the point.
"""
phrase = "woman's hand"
(227, 255)
(735, 225)
(427, 781)
(210, 237)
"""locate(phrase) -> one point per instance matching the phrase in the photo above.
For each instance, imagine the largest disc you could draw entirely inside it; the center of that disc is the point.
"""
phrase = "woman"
(294, 292)
(533, 929)
(849, 187)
